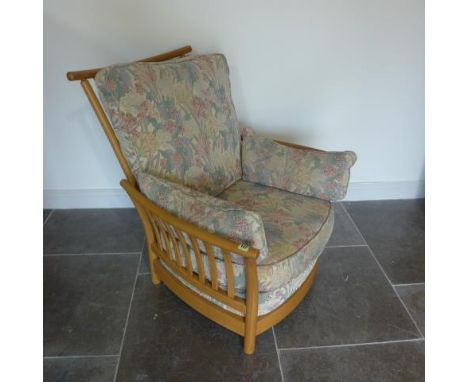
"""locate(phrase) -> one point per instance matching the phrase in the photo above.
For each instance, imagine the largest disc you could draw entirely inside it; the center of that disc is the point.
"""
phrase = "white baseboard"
(86, 198)
(385, 190)
(117, 198)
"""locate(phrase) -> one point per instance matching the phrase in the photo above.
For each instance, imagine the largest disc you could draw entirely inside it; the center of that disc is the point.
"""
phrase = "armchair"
(234, 221)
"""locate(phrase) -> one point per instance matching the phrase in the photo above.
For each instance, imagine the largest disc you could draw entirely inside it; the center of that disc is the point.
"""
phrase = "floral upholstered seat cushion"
(297, 229)
(175, 119)
(317, 173)
(290, 220)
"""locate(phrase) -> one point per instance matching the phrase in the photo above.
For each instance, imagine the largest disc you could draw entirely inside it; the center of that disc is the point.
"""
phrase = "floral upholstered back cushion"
(175, 120)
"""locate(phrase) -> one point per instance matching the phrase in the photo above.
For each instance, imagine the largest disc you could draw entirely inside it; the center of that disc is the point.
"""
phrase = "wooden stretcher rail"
(91, 73)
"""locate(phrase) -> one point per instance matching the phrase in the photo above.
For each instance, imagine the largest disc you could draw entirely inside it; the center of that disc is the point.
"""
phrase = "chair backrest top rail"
(81, 75)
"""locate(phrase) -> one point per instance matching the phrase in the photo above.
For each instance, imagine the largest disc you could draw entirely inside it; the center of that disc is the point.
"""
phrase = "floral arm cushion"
(310, 172)
(208, 212)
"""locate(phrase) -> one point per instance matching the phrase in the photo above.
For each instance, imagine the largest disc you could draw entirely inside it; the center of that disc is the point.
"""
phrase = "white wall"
(334, 74)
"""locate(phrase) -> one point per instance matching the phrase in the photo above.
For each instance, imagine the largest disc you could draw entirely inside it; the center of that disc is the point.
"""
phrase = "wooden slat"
(175, 246)
(229, 273)
(198, 256)
(205, 287)
(157, 233)
(167, 249)
(91, 73)
(188, 260)
(213, 269)
(150, 235)
(159, 236)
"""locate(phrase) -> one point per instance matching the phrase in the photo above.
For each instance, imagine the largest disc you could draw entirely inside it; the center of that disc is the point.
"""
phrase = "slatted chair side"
(177, 254)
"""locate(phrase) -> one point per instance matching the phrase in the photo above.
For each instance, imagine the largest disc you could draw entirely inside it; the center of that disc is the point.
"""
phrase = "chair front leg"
(151, 239)
(251, 306)
(152, 258)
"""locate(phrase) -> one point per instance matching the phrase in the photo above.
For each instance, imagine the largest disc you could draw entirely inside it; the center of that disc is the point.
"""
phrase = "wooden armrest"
(296, 146)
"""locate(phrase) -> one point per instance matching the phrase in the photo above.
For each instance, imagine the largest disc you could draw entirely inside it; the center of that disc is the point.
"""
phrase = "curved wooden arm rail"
(296, 146)
(169, 255)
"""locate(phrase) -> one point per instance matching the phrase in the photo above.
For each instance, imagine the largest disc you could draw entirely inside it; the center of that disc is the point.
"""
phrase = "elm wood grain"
(229, 273)
(213, 269)
(198, 256)
(188, 260)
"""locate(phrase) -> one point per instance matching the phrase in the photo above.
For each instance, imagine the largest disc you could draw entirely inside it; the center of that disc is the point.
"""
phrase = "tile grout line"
(408, 284)
(92, 254)
(143, 246)
(278, 354)
(346, 246)
(81, 356)
(350, 345)
(141, 258)
(128, 313)
(47, 218)
(385, 274)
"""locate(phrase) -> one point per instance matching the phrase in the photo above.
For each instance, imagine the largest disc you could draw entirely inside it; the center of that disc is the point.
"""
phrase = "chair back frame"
(168, 239)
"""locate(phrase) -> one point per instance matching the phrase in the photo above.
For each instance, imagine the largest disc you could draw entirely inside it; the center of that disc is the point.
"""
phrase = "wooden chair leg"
(155, 279)
(249, 341)
(149, 239)
(151, 258)
(251, 306)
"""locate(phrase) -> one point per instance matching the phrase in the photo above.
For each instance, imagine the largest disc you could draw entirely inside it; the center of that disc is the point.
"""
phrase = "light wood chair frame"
(168, 252)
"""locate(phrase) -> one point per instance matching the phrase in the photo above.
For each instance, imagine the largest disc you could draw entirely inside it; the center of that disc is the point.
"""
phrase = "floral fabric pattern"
(321, 174)
(175, 119)
(290, 220)
(213, 214)
(297, 229)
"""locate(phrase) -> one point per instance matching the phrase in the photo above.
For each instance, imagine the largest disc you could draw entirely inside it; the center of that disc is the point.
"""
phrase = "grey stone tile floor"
(363, 319)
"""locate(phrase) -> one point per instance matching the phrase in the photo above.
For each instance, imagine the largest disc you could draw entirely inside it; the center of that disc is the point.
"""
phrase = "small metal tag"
(243, 247)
